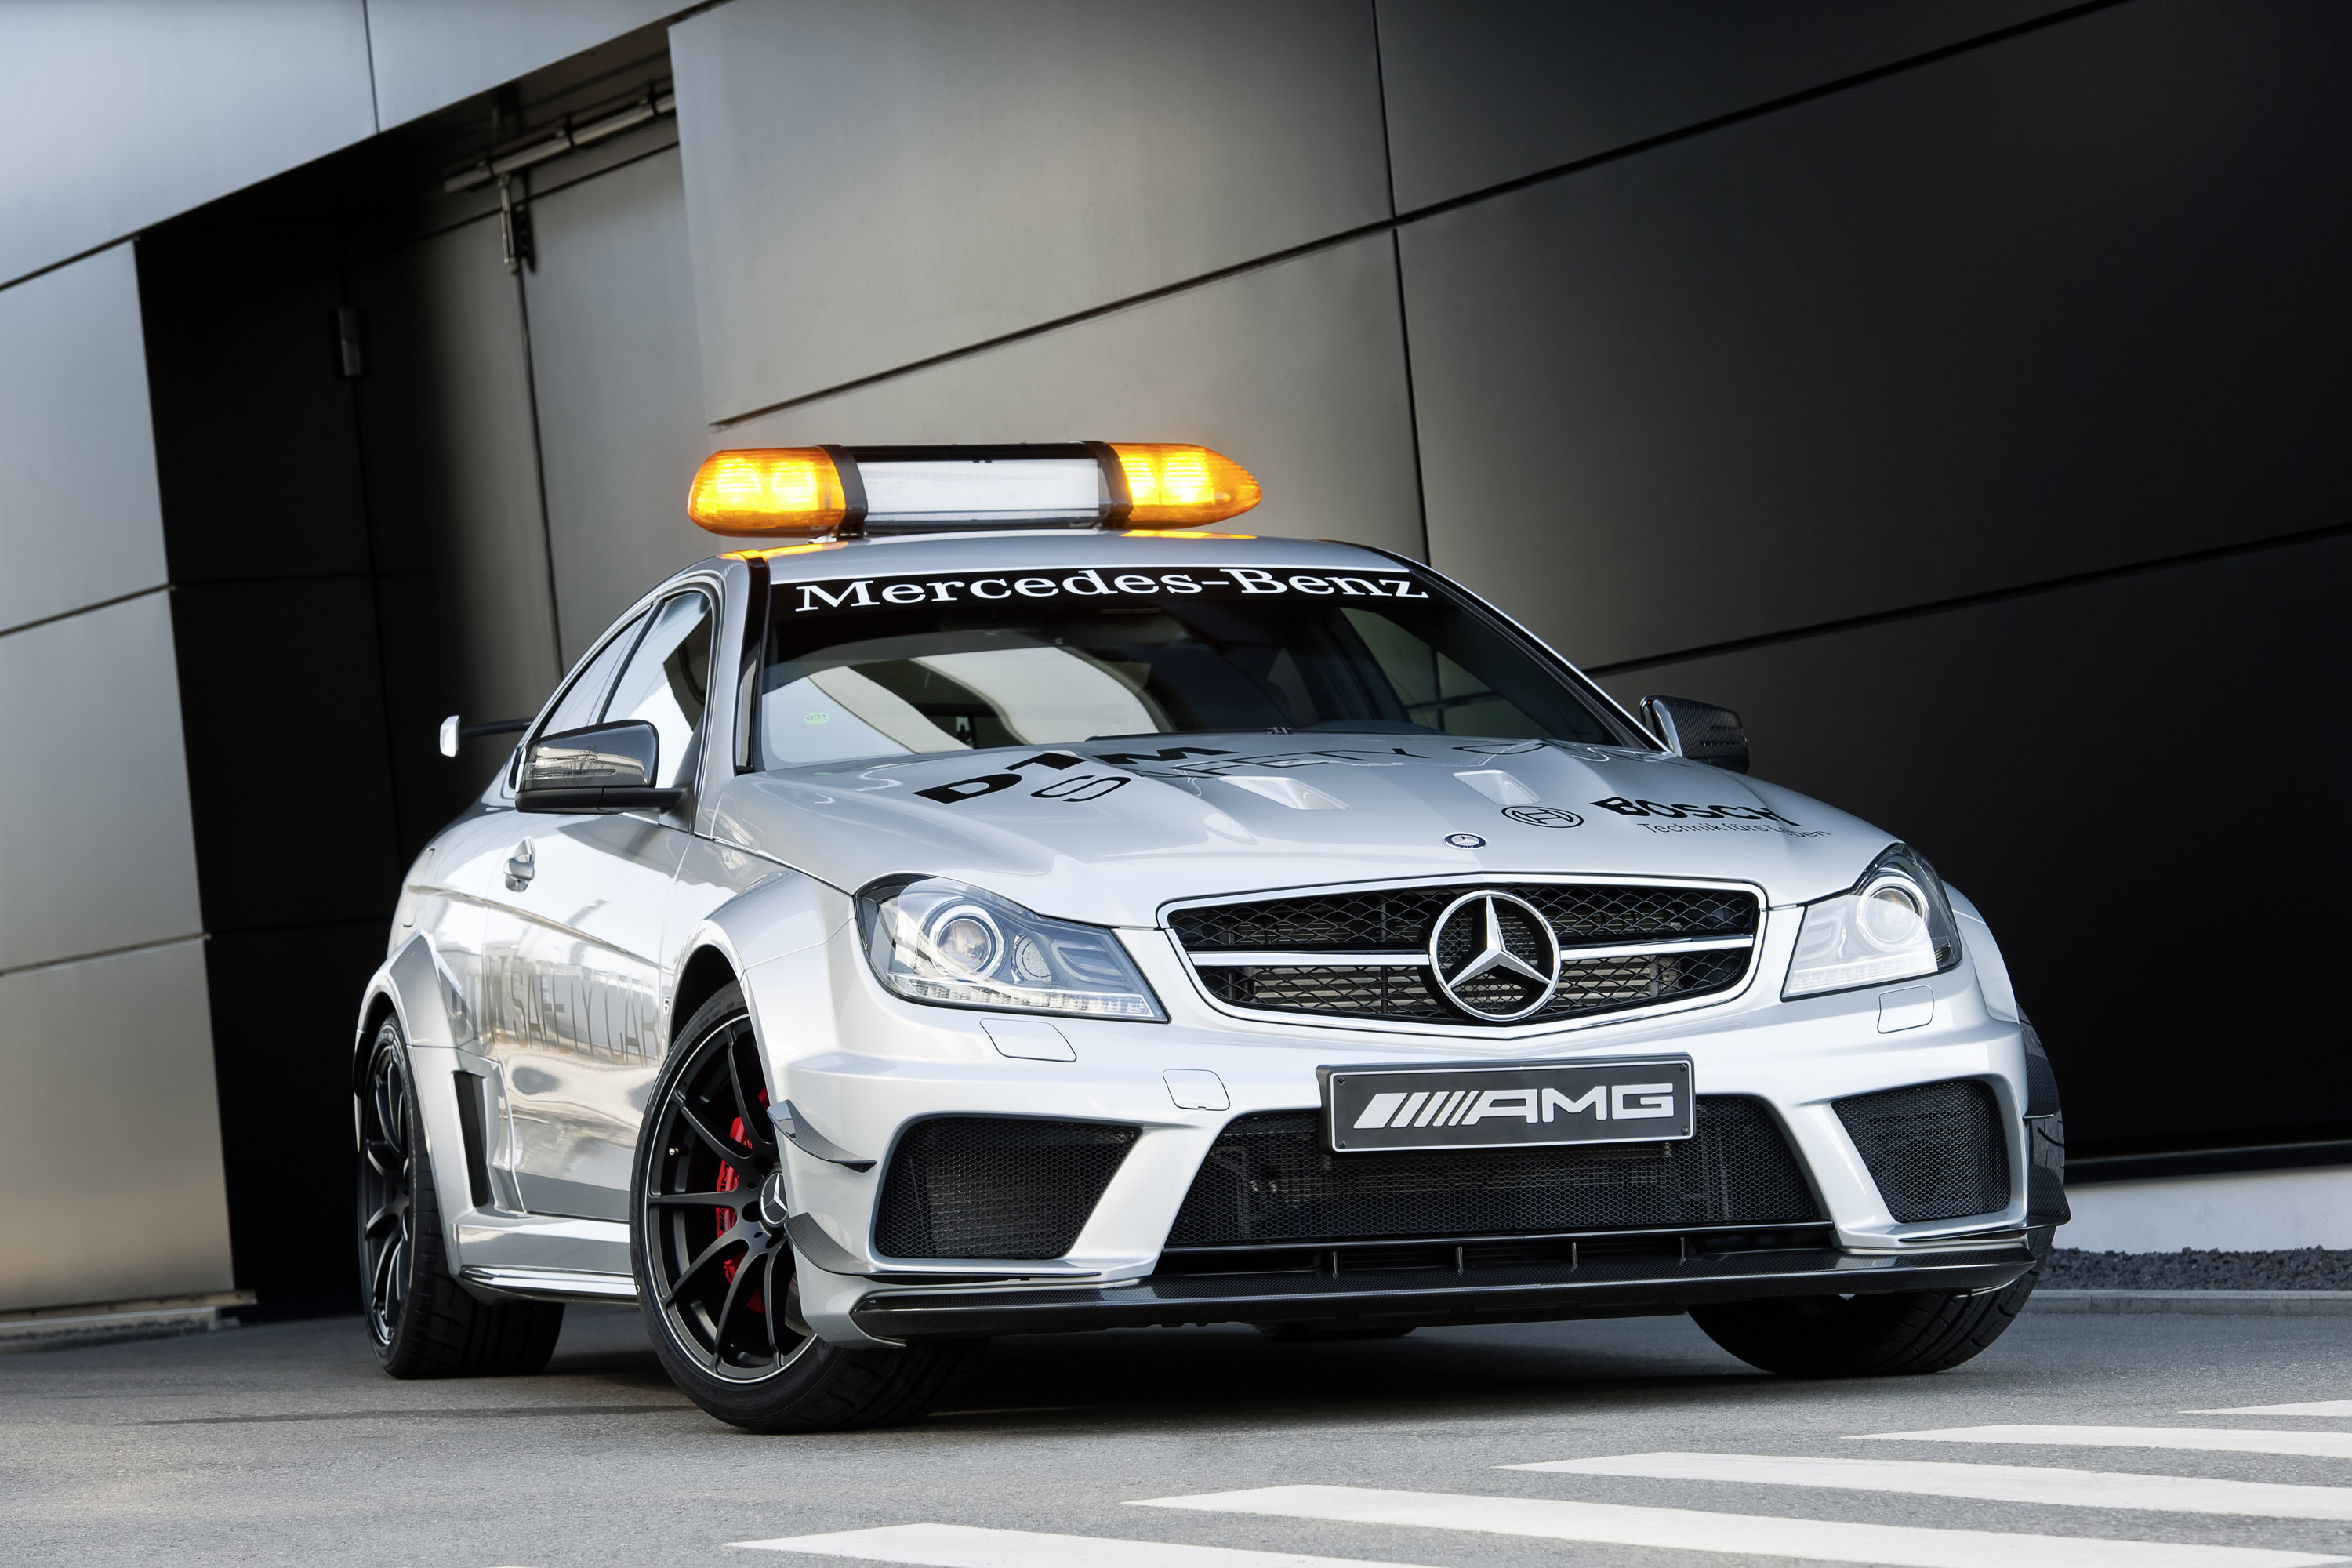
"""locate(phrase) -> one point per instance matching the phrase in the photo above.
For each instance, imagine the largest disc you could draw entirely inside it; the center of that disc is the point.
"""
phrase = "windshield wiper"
(1220, 729)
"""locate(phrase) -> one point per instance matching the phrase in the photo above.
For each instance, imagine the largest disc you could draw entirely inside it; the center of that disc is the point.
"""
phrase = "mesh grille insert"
(994, 1186)
(1937, 1150)
(1400, 919)
(1588, 985)
(1268, 1178)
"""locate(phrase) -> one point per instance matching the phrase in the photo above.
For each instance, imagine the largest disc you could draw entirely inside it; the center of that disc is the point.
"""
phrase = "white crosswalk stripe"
(2205, 1440)
(1992, 1483)
(962, 1546)
(1902, 1546)
(2315, 1407)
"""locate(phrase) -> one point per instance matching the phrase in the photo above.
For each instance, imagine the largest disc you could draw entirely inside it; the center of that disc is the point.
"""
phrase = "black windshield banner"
(1220, 583)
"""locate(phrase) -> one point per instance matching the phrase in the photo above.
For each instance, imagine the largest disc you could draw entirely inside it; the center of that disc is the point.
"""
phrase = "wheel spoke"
(727, 1239)
(726, 1308)
(395, 1211)
(391, 1119)
(741, 1159)
(379, 1284)
(767, 1300)
(733, 1200)
(387, 1160)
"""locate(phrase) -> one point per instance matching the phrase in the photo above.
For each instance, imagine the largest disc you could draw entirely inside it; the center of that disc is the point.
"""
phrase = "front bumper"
(860, 1066)
(1607, 1287)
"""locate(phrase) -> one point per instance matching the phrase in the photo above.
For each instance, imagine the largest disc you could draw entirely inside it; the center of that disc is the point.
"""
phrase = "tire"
(423, 1322)
(1865, 1336)
(716, 1275)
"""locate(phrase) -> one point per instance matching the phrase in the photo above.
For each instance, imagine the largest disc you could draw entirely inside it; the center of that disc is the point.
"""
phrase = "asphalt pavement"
(2104, 1441)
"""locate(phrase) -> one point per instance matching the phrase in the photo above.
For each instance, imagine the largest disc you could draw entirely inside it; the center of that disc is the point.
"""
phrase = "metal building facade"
(1954, 390)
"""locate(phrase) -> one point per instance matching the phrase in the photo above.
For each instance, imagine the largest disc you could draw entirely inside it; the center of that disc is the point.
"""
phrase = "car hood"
(1110, 831)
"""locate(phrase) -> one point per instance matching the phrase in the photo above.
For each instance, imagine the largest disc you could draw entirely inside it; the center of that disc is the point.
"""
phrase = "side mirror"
(1699, 731)
(605, 767)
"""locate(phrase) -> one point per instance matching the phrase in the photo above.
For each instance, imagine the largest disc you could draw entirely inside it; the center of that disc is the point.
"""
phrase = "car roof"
(1061, 549)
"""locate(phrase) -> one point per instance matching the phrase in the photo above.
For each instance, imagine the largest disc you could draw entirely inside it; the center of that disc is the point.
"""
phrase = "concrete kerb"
(2244, 1303)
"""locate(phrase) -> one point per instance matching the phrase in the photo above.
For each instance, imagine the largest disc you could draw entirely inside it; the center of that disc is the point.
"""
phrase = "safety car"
(999, 898)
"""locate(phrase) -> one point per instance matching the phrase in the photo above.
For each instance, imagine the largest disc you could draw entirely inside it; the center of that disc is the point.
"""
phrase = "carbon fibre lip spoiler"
(1498, 1294)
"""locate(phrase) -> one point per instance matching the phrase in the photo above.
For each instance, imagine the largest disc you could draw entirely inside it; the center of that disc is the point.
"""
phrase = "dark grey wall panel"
(453, 509)
(2125, 778)
(873, 182)
(1296, 371)
(281, 693)
(285, 1100)
(612, 317)
(113, 1053)
(95, 842)
(2061, 303)
(119, 113)
(79, 518)
(431, 53)
(1480, 92)
(255, 445)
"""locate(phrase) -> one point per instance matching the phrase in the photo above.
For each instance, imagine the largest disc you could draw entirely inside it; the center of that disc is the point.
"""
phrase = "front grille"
(1316, 945)
(1269, 1178)
(994, 1186)
(1938, 1150)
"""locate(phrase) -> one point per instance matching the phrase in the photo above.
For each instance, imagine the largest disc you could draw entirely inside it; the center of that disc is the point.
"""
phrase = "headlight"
(931, 939)
(1894, 923)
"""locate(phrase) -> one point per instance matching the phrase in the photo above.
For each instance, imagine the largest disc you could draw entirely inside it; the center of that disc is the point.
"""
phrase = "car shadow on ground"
(1153, 1377)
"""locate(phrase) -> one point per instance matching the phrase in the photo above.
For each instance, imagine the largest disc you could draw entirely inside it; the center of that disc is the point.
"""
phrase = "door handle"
(521, 867)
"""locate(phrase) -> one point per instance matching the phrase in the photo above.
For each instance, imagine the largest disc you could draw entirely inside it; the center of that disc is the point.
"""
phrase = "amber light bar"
(1182, 487)
(792, 492)
(806, 493)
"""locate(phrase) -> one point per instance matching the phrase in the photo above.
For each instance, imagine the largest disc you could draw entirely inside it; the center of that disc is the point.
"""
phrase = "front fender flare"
(430, 1006)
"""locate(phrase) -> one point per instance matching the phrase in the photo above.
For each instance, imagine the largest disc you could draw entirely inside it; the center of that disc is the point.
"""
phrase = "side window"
(665, 681)
(581, 699)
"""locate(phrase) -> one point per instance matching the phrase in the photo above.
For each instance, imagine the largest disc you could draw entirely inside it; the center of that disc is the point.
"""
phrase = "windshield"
(889, 666)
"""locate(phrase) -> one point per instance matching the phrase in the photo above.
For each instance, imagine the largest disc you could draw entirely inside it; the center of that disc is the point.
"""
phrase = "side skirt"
(549, 1285)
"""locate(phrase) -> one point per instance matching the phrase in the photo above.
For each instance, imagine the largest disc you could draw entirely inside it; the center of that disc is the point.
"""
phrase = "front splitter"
(1430, 1297)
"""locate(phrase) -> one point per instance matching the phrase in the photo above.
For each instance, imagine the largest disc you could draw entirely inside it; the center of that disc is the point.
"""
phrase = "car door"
(572, 949)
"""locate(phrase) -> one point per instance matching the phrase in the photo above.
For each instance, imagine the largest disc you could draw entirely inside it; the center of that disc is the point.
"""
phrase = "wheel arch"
(373, 1013)
(708, 970)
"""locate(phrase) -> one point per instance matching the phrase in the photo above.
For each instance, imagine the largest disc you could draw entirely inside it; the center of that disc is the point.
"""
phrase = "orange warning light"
(1182, 486)
(778, 491)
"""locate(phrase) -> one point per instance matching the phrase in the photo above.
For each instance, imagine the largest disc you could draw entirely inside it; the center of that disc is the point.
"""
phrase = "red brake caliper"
(730, 1178)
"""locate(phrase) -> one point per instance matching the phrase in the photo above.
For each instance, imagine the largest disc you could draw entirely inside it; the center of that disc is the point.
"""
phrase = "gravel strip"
(2308, 1269)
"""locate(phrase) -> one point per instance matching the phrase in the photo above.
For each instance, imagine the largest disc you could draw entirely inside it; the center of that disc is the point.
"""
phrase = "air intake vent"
(1938, 1150)
(1269, 1178)
(994, 1186)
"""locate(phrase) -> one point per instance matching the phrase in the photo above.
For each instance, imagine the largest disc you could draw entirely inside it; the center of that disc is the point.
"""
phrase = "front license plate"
(1636, 1101)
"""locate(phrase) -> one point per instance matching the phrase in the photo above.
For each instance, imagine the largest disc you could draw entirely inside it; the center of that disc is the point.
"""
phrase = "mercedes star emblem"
(1502, 940)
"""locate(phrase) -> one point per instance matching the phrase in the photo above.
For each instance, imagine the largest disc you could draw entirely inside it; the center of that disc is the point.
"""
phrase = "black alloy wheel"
(423, 1322)
(716, 1274)
(715, 1215)
(387, 1176)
